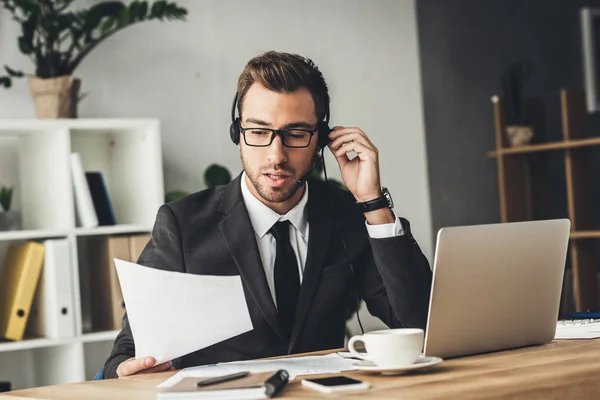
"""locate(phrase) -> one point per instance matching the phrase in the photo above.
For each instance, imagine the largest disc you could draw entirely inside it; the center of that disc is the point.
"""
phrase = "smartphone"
(335, 384)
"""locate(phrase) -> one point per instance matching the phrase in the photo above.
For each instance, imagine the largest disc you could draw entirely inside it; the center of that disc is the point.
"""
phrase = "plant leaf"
(143, 10)
(5, 81)
(158, 9)
(107, 25)
(133, 11)
(13, 73)
(123, 17)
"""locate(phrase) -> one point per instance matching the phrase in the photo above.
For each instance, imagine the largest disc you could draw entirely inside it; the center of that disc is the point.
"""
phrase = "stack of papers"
(252, 386)
(310, 365)
(173, 314)
(578, 329)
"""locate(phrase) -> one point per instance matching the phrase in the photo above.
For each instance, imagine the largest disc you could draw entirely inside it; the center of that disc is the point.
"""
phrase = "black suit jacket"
(210, 233)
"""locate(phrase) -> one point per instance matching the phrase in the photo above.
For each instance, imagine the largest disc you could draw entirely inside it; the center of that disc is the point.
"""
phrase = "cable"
(343, 241)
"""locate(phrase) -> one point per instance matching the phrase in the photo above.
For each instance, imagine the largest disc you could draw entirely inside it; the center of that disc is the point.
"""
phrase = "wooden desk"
(559, 370)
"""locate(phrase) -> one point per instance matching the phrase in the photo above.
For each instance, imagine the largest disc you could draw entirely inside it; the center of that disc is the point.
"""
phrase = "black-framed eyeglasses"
(263, 137)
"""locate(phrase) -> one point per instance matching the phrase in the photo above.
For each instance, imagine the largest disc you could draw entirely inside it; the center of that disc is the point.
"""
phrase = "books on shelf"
(86, 214)
(100, 198)
(52, 313)
(106, 299)
(92, 200)
(18, 281)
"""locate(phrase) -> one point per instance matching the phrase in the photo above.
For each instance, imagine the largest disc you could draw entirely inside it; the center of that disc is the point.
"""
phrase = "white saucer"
(422, 362)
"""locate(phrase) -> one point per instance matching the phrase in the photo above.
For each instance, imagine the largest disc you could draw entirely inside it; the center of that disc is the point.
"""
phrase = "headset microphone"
(305, 177)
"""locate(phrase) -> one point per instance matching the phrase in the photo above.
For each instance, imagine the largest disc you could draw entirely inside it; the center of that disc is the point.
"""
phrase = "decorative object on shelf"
(519, 129)
(9, 220)
(57, 40)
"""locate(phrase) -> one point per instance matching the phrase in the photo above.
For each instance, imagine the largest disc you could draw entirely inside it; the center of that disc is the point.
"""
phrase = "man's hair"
(285, 73)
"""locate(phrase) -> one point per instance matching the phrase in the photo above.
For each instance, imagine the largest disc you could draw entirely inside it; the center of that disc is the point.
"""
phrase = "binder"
(100, 198)
(20, 274)
(107, 306)
(86, 213)
(137, 243)
(52, 314)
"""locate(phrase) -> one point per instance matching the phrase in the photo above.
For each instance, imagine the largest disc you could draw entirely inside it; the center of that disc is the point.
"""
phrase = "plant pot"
(519, 135)
(55, 97)
(10, 220)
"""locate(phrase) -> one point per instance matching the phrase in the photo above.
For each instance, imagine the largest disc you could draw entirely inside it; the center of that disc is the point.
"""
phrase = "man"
(301, 248)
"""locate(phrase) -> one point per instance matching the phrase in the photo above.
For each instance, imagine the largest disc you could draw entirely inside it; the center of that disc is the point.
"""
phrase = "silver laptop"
(496, 287)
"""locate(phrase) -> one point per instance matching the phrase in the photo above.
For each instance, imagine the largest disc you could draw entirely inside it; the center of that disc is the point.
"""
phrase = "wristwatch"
(381, 202)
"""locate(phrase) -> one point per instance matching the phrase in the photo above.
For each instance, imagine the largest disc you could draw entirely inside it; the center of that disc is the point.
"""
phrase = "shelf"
(98, 336)
(532, 148)
(27, 234)
(27, 344)
(35, 157)
(101, 124)
(58, 233)
(585, 235)
(112, 230)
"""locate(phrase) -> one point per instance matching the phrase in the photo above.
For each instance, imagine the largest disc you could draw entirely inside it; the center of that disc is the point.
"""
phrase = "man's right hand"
(144, 365)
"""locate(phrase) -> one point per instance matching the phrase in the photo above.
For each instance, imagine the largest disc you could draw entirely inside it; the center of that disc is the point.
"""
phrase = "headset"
(322, 127)
(324, 130)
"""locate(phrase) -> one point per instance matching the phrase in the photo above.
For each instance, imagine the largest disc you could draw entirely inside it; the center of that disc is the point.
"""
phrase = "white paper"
(578, 329)
(309, 365)
(172, 314)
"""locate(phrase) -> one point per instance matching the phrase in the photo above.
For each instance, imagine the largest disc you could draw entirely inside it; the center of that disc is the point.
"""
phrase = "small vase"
(10, 220)
(519, 135)
(55, 97)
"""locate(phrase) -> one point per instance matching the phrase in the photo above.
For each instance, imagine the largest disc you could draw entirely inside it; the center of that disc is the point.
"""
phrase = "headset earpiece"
(234, 131)
(324, 130)
(234, 128)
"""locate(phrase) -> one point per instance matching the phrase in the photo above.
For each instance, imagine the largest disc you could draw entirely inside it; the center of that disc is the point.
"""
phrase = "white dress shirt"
(263, 218)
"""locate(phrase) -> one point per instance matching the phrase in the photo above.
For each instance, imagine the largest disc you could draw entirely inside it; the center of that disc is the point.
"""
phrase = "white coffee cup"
(391, 347)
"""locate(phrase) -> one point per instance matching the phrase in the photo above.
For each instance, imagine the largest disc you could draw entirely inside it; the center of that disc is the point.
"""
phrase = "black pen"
(224, 378)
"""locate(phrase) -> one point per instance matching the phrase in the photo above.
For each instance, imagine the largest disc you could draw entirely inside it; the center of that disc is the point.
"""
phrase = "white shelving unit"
(34, 157)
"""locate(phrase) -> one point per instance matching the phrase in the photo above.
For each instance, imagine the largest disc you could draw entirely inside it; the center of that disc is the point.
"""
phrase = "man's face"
(274, 170)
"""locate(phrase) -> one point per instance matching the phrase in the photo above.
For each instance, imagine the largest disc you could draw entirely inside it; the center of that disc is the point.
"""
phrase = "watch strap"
(375, 204)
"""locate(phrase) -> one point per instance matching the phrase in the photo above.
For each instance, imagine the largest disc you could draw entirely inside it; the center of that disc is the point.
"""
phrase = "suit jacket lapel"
(239, 235)
(320, 229)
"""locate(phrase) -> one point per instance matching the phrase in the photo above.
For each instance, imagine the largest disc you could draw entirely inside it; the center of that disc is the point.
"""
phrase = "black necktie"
(287, 278)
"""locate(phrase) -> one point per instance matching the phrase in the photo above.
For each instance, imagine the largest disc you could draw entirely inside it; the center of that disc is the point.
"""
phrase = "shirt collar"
(263, 218)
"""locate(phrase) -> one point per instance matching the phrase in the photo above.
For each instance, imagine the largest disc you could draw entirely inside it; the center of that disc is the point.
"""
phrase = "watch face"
(388, 197)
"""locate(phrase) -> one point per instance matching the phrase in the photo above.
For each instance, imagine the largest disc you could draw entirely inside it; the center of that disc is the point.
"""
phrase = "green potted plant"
(214, 175)
(57, 39)
(9, 220)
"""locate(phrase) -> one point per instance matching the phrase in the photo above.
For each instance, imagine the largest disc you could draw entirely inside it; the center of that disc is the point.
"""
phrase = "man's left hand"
(361, 174)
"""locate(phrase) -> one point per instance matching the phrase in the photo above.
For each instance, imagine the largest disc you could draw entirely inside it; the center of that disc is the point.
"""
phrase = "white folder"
(86, 213)
(52, 315)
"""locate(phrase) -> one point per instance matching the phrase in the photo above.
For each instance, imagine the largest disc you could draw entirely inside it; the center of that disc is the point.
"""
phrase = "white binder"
(52, 313)
(86, 213)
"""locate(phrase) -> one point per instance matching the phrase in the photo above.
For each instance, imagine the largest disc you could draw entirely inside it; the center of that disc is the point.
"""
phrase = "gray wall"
(185, 75)
(465, 47)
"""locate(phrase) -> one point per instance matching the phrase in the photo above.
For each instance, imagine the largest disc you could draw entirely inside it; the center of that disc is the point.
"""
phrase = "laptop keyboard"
(578, 322)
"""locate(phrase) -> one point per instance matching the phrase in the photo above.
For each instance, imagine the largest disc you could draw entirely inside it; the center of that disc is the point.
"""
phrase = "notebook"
(249, 387)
